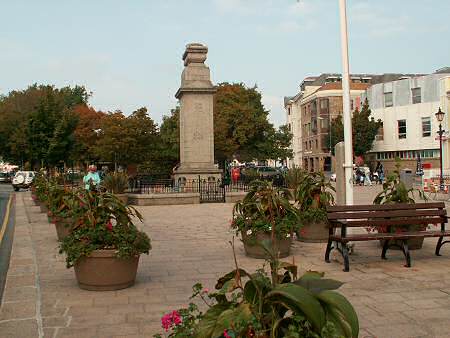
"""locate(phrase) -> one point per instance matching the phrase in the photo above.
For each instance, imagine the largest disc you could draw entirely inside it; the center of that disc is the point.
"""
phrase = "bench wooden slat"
(388, 222)
(379, 207)
(379, 236)
(386, 214)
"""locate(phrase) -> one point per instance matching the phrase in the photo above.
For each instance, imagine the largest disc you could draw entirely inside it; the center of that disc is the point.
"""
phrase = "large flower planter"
(43, 207)
(63, 227)
(315, 232)
(103, 271)
(253, 248)
(413, 244)
(123, 198)
(35, 200)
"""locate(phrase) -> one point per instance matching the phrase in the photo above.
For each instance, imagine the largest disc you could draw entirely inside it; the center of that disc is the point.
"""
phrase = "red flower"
(109, 226)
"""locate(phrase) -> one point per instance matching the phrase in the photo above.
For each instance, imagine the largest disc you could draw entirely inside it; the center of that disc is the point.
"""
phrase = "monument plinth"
(196, 117)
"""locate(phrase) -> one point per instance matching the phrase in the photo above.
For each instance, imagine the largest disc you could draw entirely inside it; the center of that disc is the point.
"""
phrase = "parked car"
(267, 172)
(5, 177)
(23, 180)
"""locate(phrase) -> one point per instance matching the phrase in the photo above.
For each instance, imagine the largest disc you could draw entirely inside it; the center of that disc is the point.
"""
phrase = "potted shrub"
(39, 190)
(62, 207)
(117, 183)
(312, 195)
(293, 177)
(265, 214)
(395, 191)
(105, 245)
(266, 306)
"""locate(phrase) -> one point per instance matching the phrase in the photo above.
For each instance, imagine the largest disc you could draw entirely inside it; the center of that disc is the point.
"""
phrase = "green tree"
(282, 139)
(36, 124)
(364, 130)
(127, 140)
(241, 126)
(166, 152)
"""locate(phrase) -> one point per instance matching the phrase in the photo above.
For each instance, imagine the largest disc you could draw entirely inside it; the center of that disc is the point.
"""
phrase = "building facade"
(310, 112)
(407, 108)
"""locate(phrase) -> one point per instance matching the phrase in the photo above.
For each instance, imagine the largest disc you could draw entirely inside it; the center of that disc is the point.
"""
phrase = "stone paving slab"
(190, 244)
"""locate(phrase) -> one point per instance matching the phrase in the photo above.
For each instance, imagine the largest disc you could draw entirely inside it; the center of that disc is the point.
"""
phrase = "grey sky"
(128, 53)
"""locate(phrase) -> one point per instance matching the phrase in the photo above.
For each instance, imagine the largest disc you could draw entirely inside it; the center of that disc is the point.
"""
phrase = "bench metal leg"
(329, 248)
(385, 248)
(345, 256)
(406, 253)
(439, 245)
(343, 249)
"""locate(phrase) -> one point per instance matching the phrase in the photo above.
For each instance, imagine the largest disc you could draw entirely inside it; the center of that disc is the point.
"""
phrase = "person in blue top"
(92, 178)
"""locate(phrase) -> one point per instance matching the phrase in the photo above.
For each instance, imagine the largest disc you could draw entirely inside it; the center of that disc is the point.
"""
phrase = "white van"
(23, 179)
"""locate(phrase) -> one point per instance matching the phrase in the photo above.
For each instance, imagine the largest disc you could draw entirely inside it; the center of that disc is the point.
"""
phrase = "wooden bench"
(383, 218)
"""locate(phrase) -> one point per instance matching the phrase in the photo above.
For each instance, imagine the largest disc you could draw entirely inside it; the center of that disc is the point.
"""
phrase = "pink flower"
(225, 334)
(205, 290)
(166, 322)
(109, 226)
(169, 319)
(176, 318)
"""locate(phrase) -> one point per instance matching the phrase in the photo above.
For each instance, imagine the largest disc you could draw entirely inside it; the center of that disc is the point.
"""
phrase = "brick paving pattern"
(190, 244)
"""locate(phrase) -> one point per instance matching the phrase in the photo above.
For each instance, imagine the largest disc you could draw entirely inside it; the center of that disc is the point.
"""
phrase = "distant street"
(6, 231)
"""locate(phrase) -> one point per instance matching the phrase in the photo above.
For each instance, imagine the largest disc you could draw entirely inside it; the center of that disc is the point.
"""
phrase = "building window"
(380, 134)
(324, 104)
(289, 110)
(388, 102)
(416, 95)
(401, 128)
(324, 123)
(426, 126)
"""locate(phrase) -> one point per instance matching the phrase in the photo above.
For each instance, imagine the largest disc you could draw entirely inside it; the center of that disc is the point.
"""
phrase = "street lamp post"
(440, 117)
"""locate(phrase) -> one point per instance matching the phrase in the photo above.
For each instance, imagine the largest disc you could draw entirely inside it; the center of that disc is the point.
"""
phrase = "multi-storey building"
(407, 108)
(310, 112)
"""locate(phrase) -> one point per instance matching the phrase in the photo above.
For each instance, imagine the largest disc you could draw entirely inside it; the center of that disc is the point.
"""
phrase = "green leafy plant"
(294, 177)
(265, 208)
(313, 194)
(102, 221)
(40, 187)
(116, 182)
(254, 305)
(395, 191)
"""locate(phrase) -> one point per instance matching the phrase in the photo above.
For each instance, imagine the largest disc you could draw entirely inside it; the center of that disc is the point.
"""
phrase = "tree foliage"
(37, 124)
(48, 126)
(364, 130)
(242, 129)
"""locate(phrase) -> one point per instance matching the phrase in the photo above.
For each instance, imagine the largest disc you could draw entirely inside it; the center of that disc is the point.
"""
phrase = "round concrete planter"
(103, 271)
(123, 198)
(316, 232)
(254, 249)
(63, 227)
(413, 244)
(35, 200)
(43, 207)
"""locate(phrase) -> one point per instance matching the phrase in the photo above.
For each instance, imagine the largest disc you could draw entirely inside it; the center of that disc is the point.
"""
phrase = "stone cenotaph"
(196, 118)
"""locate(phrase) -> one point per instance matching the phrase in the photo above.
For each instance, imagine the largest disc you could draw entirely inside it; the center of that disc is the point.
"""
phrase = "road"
(6, 232)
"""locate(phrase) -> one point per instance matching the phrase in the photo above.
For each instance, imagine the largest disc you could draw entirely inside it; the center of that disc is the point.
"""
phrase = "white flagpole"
(347, 116)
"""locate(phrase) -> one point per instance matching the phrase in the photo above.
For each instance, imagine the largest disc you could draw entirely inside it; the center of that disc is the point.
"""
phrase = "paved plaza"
(190, 244)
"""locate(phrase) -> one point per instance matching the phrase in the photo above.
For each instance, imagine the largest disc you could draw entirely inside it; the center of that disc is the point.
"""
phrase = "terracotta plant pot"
(63, 227)
(44, 208)
(123, 198)
(316, 232)
(254, 249)
(413, 244)
(35, 200)
(103, 271)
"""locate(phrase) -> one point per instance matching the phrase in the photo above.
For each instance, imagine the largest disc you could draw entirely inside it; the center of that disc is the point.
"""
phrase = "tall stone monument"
(196, 117)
